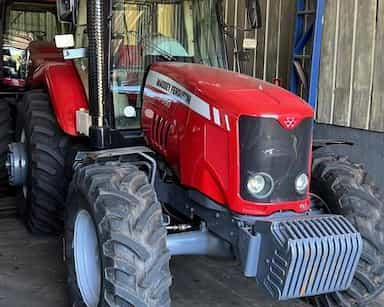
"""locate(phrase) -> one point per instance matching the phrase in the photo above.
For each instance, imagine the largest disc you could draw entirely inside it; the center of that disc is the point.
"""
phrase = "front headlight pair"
(261, 185)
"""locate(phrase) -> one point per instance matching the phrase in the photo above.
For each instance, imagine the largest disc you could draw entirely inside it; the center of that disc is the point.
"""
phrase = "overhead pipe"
(98, 36)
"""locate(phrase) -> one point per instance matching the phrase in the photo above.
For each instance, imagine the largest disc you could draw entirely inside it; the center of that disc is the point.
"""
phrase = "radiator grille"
(160, 132)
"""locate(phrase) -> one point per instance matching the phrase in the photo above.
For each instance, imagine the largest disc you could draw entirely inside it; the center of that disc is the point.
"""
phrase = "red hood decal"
(238, 94)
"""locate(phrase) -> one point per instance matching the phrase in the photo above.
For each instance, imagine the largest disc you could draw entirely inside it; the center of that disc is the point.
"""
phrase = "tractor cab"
(186, 31)
(145, 32)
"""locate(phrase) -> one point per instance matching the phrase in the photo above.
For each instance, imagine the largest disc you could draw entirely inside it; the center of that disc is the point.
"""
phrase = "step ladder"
(307, 33)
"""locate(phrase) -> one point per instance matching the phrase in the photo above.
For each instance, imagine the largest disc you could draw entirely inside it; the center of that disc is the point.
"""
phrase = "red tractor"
(24, 46)
(143, 145)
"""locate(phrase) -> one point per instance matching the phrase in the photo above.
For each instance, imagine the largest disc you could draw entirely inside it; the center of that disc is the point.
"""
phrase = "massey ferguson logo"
(289, 122)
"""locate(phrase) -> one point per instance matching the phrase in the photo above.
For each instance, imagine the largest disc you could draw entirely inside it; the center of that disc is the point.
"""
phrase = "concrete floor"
(32, 274)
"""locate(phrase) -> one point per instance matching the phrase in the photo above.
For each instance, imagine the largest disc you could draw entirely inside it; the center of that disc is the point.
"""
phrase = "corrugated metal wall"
(22, 22)
(351, 91)
(271, 56)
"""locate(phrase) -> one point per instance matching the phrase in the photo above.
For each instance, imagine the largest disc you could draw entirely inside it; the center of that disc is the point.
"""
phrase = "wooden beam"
(344, 58)
(328, 51)
(360, 85)
(377, 110)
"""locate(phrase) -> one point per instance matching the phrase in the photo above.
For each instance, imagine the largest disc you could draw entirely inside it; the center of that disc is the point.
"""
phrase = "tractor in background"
(25, 44)
(141, 145)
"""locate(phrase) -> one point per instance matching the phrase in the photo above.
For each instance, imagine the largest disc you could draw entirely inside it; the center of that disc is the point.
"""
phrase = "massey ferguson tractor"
(23, 48)
(144, 146)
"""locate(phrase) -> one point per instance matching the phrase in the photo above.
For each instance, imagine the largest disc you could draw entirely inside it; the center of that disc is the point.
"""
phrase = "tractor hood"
(235, 93)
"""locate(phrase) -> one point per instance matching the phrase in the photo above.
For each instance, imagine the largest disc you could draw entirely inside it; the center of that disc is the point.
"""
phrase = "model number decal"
(173, 90)
(176, 93)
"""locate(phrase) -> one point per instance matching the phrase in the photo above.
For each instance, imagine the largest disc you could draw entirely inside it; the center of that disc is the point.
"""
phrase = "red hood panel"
(236, 93)
(192, 117)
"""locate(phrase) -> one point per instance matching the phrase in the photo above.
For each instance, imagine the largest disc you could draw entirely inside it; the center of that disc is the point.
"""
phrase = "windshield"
(144, 32)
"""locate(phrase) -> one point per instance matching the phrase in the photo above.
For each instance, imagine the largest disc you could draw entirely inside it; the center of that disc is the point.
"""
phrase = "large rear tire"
(114, 206)
(342, 187)
(5, 139)
(46, 146)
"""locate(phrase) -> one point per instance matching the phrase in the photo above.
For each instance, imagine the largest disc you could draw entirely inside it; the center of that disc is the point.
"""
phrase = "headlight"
(301, 183)
(260, 185)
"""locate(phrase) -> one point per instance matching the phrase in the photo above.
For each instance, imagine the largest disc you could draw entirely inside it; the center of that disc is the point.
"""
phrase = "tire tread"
(348, 191)
(47, 146)
(113, 192)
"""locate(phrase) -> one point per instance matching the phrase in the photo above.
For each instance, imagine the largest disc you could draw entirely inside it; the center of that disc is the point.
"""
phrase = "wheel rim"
(22, 140)
(86, 254)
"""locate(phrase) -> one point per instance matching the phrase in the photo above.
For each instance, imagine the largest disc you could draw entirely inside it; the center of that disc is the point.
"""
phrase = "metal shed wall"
(21, 22)
(271, 57)
(351, 92)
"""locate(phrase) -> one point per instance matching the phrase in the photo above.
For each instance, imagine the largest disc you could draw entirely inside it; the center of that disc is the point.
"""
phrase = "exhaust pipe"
(98, 35)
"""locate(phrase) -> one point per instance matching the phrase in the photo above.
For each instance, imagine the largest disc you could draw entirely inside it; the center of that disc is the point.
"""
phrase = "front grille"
(265, 146)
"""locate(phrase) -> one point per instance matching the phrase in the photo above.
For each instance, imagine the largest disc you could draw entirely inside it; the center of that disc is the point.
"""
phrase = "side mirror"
(254, 13)
(66, 10)
(66, 42)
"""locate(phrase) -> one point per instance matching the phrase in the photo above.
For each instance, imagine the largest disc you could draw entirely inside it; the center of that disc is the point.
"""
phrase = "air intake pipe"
(98, 37)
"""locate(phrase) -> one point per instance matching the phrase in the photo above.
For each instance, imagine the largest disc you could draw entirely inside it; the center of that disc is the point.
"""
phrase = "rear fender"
(67, 93)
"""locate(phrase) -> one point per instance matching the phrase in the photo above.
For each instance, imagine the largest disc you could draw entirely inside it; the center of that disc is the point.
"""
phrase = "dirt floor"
(32, 274)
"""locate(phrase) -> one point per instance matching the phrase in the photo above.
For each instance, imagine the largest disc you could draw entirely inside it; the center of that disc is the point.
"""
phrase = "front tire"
(343, 188)
(117, 202)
